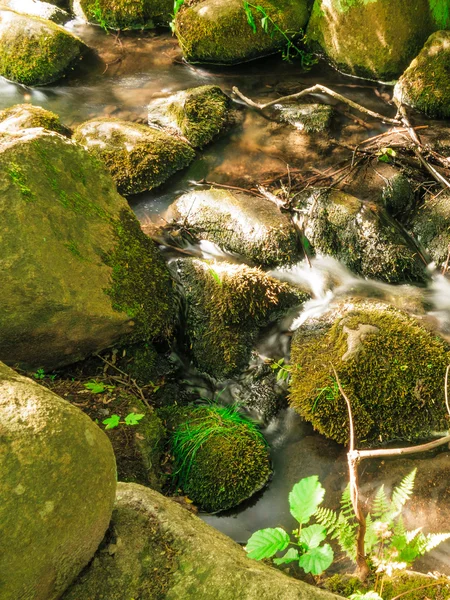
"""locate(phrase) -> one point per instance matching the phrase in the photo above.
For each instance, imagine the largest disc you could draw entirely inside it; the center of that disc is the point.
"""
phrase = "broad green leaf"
(290, 556)
(133, 419)
(96, 387)
(267, 542)
(305, 497)
(313, 535)
(316, 560)
(111, 421)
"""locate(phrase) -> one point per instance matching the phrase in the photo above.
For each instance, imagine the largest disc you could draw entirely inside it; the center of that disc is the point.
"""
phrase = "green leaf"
(267, 542)
(290, 556)
(312, 536)
(305, 497)
(111, 421)
(317, 560)
(133, 419)
(96, 387)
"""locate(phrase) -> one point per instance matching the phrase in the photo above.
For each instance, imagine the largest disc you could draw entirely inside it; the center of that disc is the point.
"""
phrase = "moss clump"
(363, 237)
(128, 14)
(26, 116)
(217, 31)
(226, 306)
(221, 458)
(35, 51)
(391, 368)
(425, 85)
(199, 114)
(311, 118)
(376, 39)
(398, 195)
(138, 157)
(431, 226)
(140, 282)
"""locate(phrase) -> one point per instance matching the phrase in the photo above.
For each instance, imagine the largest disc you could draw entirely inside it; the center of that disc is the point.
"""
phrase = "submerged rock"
(57, 488)
(199, 114)
(217, 31)
(138, 157)
(362, 236)
(390, 366)
(425, 85)
(239, 223)
(430, 224)
(376, 39)
(123, 14)
(310, 118)
(27, 116)
(35, 51)
(36, 8)
(157, 549)
(78, 274)
(226, 307)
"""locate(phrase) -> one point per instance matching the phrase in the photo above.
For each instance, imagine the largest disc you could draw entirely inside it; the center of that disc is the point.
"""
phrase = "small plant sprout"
(176, 7)
(307, 549)
(98, 387)
(282, 370)
(114, 420)
(40, 374)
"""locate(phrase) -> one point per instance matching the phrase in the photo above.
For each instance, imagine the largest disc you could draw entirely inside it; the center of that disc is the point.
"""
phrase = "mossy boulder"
(57, 488)
(126, 14)
(217, 31)
(199, 114)
(430, 224)
(157, 549)
(425, 85)
(226, 306)
(138, 157)
(239, 223)
(376, 39)
(35, 51)
(390, 366)
(36, 8)
(78, 274)
(27, 116)
(398, 195)
(362, 236)
(221, 458)
(310, 118)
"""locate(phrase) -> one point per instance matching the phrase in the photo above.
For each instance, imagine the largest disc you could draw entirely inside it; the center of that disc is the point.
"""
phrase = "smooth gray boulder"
(57, 489)
(36, 8)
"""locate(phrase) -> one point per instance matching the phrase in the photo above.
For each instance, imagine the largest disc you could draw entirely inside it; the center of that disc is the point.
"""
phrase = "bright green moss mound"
(217, 31)
(391, 368)
(35, 51)
(138, 157)
(25, 116)
(425, 85)
(226, 306)
(128, 14)
(221, 458)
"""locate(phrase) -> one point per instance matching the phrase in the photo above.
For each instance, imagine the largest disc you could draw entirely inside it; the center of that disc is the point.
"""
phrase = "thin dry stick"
(314, 90)
(131, 382)
(227, 187)
(422, 587)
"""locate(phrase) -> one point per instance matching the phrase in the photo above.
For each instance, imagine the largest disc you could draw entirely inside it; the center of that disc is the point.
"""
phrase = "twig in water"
(445, 268)
(228, 187)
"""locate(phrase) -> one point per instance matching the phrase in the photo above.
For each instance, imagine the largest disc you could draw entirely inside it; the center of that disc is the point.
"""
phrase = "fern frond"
(399, 527)
(403, 491)
(371, 537)
(328, 519)
(346, 536)
(381, 506)
(434, 539)
(346, 504)
(410, 535)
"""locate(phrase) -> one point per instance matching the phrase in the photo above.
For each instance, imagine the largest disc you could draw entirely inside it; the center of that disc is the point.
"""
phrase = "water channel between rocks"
(144, 66)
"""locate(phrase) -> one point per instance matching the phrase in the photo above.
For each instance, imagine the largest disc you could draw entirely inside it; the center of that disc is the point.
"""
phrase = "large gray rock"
(78, 274)
(35, 51)
(157, 549)
(57, 488)
(240, 223)
(36, 8)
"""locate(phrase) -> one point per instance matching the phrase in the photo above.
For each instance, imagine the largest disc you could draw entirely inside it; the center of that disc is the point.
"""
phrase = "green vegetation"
(114, 420)
(220, 457)
(99, 387)
(28, 116)
(123, 14)
(19, 179)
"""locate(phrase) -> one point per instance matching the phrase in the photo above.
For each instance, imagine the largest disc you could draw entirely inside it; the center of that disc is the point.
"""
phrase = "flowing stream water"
(142, 66)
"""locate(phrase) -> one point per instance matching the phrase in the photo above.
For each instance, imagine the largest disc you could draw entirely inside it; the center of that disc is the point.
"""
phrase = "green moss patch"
(430, 224)
(391, 368)
(128, 14)
(26, 116)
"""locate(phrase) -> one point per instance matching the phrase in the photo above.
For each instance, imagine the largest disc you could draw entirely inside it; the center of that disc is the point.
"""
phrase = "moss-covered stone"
(199, 114)
(78, 274)
(362, 236)
(226, 306)
(391, 368)
(398, 195)
(221, 459)
(127, 14)
(157, 550)
(36, 8)
(35, 51)
(138, 157)
(239, 223)
(57, 488)
(27, 116)
(425, 85)
(376, 39)
(430, 224)
(217, 31)
(311, 118)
